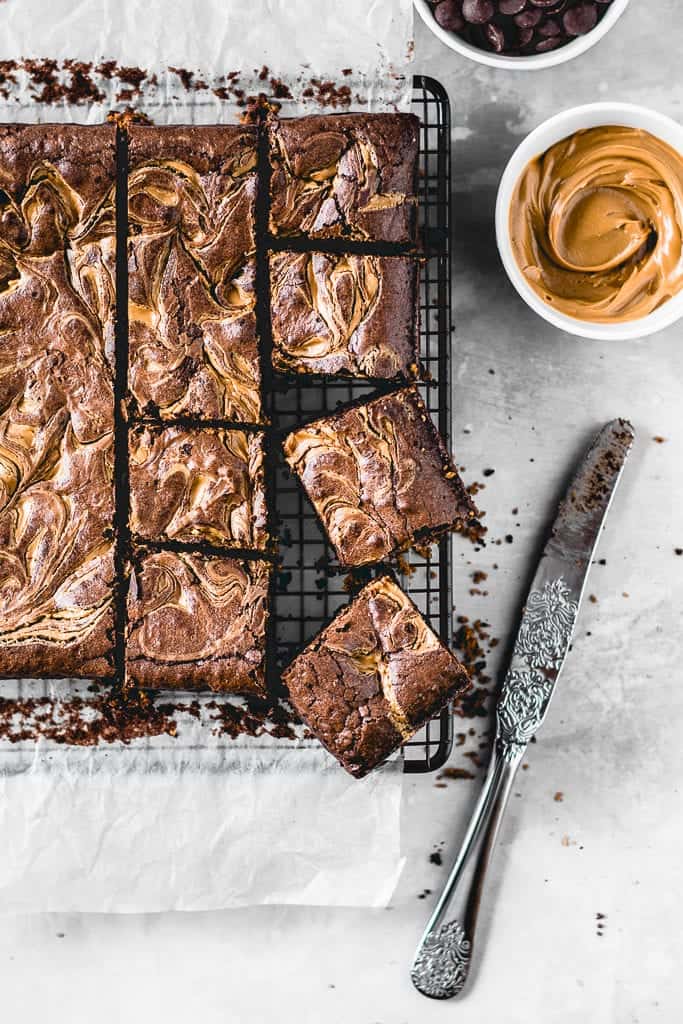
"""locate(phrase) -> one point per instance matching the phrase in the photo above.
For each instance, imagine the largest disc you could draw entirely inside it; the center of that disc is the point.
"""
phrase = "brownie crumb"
(455, 773)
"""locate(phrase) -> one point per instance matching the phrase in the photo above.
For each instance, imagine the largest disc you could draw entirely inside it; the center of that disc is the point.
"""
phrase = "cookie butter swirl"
(198, 621)
(596, 224)
(191, 203)
(198, 484)
(349, 315)
(372, 677)
(57, 288)
(344, 175)
(379, 477)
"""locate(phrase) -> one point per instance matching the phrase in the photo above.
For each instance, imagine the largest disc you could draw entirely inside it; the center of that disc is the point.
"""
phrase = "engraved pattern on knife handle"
(441, 965)
(543, 639)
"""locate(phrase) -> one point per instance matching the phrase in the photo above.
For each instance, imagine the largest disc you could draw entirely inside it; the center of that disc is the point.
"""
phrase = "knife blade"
(552, 606)
(441, 965)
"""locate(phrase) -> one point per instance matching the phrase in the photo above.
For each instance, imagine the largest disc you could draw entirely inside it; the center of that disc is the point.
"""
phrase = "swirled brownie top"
(198, 484)
(57, 311)
(192, 326)
(345, 175)
(198, 622)
(353, 316)
(373, 677)
(380, 477)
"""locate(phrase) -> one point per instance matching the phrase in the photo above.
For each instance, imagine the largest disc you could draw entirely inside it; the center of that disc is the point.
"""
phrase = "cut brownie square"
(198, 622)
(380, 477)
(345, 175)
(191, 279)
(57, 313)
(354, 316)
(198, 484)
(373, 677)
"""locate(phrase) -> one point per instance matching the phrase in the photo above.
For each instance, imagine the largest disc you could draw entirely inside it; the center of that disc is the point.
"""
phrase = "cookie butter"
(596, 224)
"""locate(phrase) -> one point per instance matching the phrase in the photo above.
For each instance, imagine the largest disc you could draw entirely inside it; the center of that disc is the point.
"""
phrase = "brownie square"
(198, 622)
(353, 316)
(57, 314)
(191, 278)
(373, 677)
(198, 484)
(345, 175)
(379, 476)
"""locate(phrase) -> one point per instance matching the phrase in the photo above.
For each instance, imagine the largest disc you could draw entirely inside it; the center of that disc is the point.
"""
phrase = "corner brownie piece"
(379, 476)
(198, 484)
(191, 280)
(345, 175)
(354, 316)
(373, 677)
(57, 313)
(198, 622)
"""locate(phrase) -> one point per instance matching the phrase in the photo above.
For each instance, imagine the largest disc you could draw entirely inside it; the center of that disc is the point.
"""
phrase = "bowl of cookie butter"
(589, 221)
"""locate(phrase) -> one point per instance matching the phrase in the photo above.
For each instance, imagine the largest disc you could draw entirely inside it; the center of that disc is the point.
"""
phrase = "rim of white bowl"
(554, 129)
(538, 61)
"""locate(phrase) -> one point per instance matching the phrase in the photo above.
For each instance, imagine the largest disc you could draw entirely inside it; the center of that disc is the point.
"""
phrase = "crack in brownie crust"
(344, 315)
(198, 622)
(345, 175)
(379, 477)
(192, 325)
(373, 677)
(190, 484)
(57, 312)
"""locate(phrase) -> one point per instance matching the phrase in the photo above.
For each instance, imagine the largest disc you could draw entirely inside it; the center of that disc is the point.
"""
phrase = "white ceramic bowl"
(534, 63)
(547, 134)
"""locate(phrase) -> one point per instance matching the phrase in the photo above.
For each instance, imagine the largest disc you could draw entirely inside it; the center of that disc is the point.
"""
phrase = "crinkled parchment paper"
(199, 820)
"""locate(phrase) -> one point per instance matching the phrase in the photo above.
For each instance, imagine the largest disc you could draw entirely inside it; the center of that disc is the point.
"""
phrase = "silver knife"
(443, 957)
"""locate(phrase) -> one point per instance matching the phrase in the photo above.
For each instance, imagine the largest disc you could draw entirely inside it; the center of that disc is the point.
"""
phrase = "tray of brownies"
(227, 485)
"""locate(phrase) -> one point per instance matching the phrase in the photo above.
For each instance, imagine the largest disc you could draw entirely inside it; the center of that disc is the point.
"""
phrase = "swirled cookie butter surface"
(596, 224)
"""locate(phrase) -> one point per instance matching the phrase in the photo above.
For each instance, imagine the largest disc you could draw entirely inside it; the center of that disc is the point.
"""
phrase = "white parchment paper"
(200, 821)
(365, 46)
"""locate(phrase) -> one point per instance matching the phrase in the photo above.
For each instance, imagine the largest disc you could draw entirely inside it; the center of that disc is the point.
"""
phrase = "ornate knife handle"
(443, 957)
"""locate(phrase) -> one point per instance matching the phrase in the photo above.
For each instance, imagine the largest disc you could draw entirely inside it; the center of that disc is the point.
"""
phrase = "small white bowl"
(538, 141)
(533, 63)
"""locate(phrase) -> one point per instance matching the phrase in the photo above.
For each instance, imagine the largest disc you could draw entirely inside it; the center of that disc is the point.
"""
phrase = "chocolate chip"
(579, 20)
(528, 19)
(477, 12)
(551, 43)
(448, 14)
(549, 28)
(496, 37)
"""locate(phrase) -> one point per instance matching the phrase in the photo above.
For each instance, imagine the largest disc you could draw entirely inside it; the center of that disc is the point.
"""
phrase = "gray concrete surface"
(612, 744)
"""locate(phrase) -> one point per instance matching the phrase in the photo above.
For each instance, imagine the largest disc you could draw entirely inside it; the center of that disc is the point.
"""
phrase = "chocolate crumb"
(436, 858)
(455, 773)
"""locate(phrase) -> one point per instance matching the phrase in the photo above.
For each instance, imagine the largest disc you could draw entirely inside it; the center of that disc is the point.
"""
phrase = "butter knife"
(444, 955)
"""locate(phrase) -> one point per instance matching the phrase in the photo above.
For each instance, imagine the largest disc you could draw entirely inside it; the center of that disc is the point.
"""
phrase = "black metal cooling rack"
(308, 591)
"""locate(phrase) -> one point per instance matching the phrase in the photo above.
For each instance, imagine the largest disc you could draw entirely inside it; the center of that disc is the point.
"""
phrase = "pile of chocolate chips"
(519, 28)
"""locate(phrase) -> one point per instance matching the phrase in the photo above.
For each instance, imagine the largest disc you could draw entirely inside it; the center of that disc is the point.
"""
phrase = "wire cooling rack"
(308, 589)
